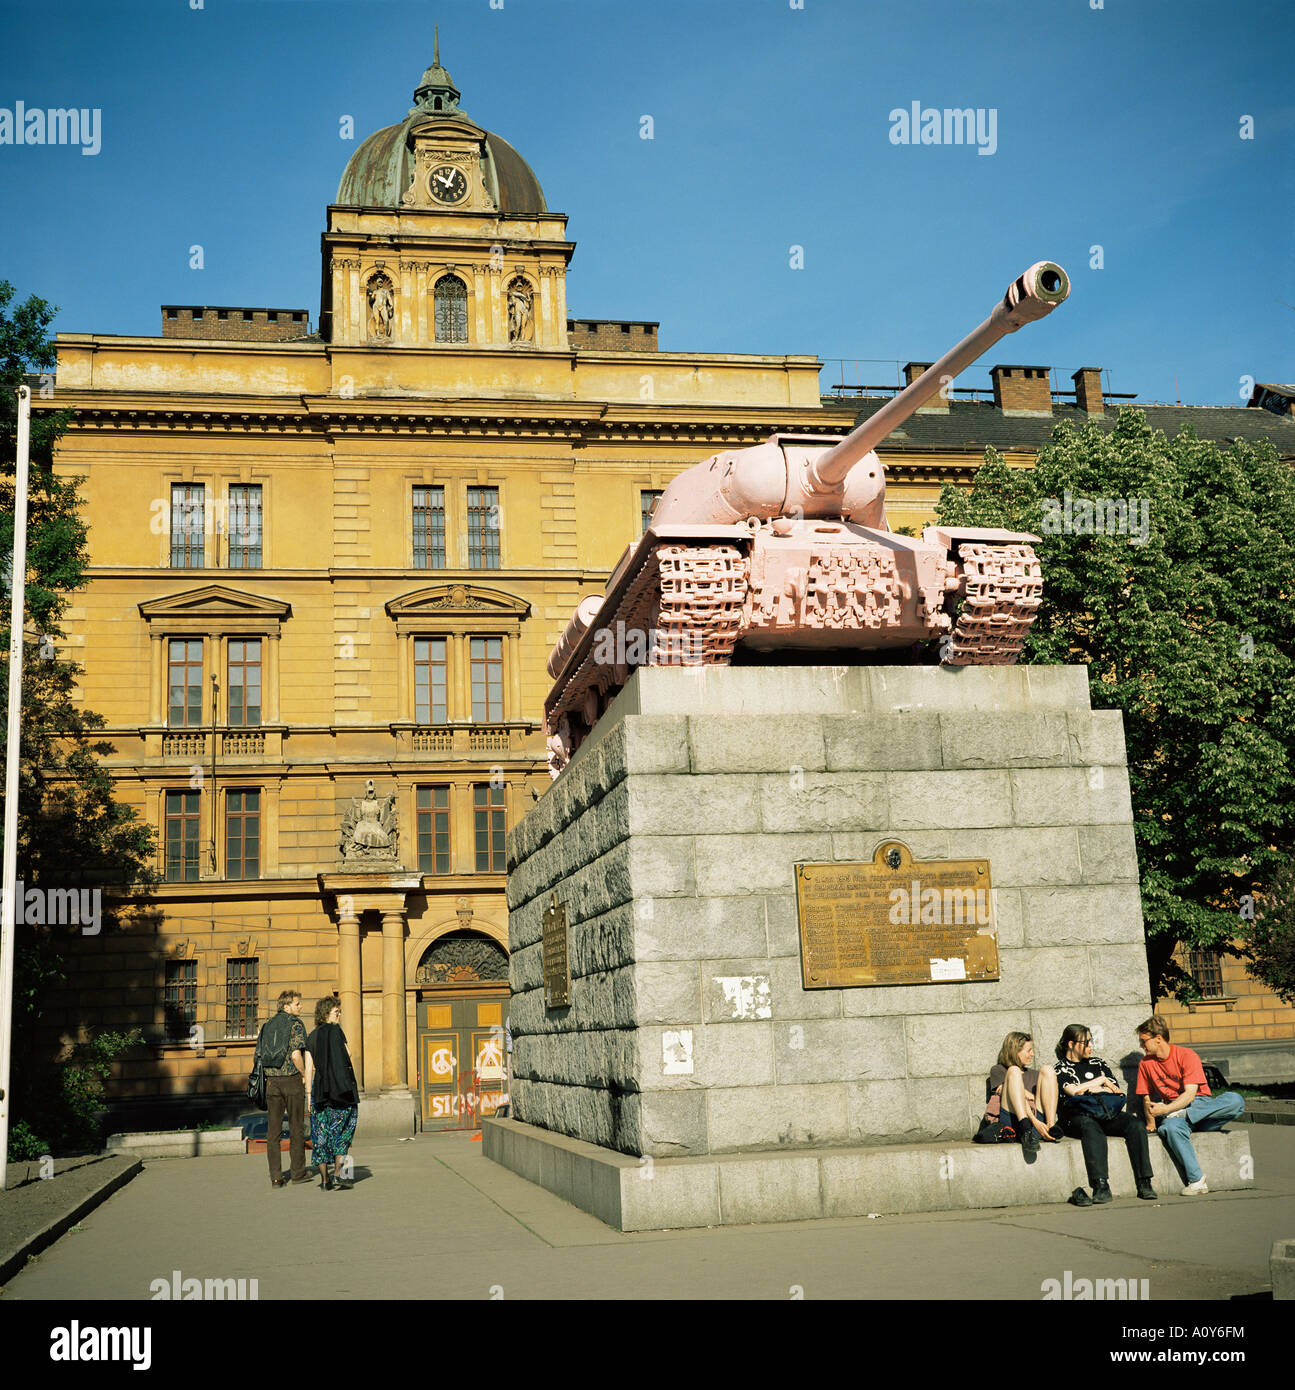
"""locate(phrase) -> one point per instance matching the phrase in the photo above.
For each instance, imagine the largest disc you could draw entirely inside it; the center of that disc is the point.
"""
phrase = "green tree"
(1269, 936)
(1188, 630)
(72, 831)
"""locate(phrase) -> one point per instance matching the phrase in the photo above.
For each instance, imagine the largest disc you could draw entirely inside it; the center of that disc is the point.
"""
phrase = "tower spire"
(436, 45)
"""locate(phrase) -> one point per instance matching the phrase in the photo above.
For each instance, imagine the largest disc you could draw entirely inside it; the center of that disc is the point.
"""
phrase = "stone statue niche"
(382, 306)
(370, 835)
(521, 319)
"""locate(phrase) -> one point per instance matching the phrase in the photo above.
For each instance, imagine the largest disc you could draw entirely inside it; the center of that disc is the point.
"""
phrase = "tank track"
(1003, 589)
(687, 602)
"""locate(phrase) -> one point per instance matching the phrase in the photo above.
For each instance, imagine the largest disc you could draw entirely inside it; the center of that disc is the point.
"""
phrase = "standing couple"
(315, 1073)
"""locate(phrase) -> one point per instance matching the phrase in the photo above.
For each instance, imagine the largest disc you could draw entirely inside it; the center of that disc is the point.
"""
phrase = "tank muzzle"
(1036, 293)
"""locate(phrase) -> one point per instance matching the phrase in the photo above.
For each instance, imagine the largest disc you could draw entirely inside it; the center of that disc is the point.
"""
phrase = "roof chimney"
(1088, 390)
(937, 405)
(1022, 391)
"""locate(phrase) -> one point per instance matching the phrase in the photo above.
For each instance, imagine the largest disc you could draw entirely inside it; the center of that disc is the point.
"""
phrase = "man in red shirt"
(1177, 1096)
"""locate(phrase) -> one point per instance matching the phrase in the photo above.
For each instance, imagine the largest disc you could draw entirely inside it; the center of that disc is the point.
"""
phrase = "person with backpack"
(1020, 1098)
(1093, 1107)
(280, 1047)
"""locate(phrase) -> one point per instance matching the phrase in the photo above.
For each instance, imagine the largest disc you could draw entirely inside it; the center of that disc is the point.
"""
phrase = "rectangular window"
(241, 1003)
(488, 817)
(433, 805)
(487, 679)
(184, 683)
(429, 528)
(245, 526)
(429, 680)
(483, 528)
(1206, 967)
(188, 513)
(181, 837)
(648, 498)
(180, 999)
(242, 834)
(244, 683)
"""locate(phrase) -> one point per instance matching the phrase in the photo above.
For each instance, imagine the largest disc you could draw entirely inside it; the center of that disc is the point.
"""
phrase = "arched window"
(451, 307)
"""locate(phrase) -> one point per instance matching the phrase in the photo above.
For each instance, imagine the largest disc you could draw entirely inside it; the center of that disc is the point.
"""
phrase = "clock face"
(448, 184)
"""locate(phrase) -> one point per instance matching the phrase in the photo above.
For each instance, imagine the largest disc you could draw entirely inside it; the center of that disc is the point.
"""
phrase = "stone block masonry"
(672, 839)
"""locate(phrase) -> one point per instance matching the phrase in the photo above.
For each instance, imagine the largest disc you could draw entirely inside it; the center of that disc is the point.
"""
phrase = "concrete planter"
(184, 1143)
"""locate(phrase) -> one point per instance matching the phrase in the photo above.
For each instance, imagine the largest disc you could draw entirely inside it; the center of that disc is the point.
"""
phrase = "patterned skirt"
(331, 1132)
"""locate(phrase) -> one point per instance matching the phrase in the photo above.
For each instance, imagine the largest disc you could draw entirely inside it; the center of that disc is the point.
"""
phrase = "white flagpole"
(8, 911)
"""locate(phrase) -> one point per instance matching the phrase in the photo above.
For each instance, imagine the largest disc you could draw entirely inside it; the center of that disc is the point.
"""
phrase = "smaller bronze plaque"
(555, 951)
(896, 921)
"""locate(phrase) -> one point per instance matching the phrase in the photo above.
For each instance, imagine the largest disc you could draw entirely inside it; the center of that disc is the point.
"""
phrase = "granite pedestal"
(672, 838)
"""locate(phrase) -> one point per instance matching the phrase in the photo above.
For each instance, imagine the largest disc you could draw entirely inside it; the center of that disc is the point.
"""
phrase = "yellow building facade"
(320, 560)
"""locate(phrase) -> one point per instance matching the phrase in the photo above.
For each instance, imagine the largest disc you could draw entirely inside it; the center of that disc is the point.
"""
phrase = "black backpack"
(273, 1043)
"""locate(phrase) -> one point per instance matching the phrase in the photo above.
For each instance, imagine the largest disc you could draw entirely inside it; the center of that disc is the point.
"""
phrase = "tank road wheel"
(1002, 586)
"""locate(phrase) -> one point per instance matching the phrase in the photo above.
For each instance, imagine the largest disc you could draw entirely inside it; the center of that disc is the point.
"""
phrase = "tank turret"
(785, 546)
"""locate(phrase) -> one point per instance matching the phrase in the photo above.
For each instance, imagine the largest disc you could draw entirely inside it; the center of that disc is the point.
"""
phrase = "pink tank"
(784, 548)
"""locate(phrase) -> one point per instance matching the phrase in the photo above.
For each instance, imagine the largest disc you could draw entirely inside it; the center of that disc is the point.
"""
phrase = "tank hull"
(690, 595)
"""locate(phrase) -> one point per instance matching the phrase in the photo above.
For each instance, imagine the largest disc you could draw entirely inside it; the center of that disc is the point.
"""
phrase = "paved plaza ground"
(431, 1218)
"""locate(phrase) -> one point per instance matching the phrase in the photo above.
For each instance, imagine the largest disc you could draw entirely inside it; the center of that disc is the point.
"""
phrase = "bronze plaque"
(555, 951)
(896, 921)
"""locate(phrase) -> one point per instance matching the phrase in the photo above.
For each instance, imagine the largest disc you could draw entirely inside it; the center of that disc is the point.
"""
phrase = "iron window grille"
(180, 999)
(483, 528)
(429, 528)
(241, 997)
(188, 518)
(451, 310)
(245, 526)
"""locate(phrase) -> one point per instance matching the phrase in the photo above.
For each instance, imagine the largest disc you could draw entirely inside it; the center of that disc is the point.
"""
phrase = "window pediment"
(216, 606)
(460, 606)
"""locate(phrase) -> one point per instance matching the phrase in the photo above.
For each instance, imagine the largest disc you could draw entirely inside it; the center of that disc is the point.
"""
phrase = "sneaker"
(1102, 1192)
(1079, 1198)
(1146, 1191)
(1197, 1188)
(1029, 1137)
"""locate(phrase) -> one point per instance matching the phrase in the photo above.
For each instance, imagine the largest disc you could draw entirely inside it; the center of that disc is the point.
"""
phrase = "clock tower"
(440, 239)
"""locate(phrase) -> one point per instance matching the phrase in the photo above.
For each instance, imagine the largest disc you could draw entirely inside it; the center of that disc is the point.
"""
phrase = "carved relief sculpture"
(520, 321)
(382, 307)
(370, 835)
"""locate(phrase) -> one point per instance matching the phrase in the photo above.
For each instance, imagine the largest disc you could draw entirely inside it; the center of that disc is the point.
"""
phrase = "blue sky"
(1118, 127)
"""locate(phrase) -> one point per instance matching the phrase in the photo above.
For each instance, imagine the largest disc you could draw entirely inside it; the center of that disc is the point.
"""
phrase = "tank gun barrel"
(1030, 296)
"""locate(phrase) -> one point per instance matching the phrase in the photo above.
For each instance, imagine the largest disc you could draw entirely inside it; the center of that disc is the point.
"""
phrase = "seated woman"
(332, 1094)
(1015, 1093)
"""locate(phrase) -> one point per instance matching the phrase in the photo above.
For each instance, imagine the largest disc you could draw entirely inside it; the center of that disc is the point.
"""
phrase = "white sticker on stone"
(955, 968)
(746, 995)
(676, 1052)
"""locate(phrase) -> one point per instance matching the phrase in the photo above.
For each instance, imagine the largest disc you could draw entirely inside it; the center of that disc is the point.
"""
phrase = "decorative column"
(459, 675)
(395, 1063)
(513, 648)
(270, 688)
(159, 672)
(348, 930)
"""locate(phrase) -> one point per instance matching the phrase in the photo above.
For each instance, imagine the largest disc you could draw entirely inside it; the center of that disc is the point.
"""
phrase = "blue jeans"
(1205, 1112)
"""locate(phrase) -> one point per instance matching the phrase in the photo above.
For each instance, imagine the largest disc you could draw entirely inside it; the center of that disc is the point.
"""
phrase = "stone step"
(645, 1194)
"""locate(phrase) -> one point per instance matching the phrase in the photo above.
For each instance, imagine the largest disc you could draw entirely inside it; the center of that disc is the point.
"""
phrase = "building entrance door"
(462, 1061)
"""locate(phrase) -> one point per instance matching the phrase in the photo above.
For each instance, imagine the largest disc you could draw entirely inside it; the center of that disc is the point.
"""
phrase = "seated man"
(1090, 1111)
(1178, 1097)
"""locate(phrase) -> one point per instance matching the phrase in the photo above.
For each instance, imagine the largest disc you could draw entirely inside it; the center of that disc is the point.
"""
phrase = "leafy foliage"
(1189, 634)
(1269, 940)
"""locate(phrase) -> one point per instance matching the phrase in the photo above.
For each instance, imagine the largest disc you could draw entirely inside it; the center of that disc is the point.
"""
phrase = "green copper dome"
(380, 171)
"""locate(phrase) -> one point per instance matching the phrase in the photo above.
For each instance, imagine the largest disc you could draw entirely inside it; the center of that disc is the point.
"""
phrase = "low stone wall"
(737, 1189)
(185, 1143)
(672, 838)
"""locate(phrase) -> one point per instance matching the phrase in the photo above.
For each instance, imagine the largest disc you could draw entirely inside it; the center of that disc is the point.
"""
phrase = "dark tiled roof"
(976, 424)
